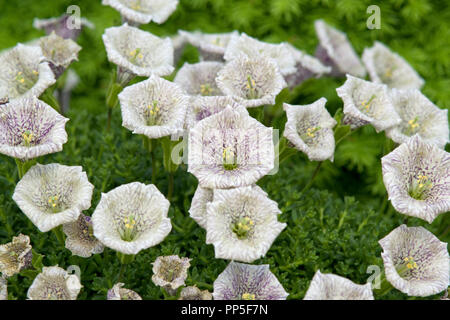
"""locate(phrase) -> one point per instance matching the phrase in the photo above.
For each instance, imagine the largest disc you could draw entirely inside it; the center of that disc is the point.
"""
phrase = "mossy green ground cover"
(334, 227)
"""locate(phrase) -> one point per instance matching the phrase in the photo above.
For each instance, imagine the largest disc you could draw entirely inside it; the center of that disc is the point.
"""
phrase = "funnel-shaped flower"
(64, 26)
(417, 179)
(310, 129)
(4, 289)
(199, 78)
(80, 237)
(29, 128)
(210, 45)
(415, 261)
(15, 255)
(131, 218)
(230, 149)
(194, 293)
(241, 281)
(202, 107)
(117, 292)
(385, 66)
(170, 272)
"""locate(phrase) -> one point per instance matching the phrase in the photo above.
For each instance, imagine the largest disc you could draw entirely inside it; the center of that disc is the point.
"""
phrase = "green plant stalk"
(112, 98)
(59, 234)
(24, 166)
(150, 145)
(169, 165)
(125, 258)
(50, 99)
(310, 182)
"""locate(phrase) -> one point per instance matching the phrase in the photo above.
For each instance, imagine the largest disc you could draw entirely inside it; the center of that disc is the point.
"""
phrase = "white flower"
(241, 281)
(170, 272)
(210, 45)
(23, 74)
(194, 293)
(199, 78)
(15, 256)
(80, 238)
(385, 66)
(419, 116)
(117, 292)
(253, 82)
(30, 128)
(242, 224)
(415, 261)
(230, 149)
(178, 43)
(4, 289)
(154, 107)
(202, 107)
(54, 283)
(131, 218)
(252, 48)
(310, 129)
(334, 287)
(366, 102)
(336, 51)
(53, 194)
(417, 179)
(143, 11)
(138, 51)
(62, 26)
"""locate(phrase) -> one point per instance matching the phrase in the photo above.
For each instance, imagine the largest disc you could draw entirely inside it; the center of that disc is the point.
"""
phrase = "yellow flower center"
(420, 186)
(410, 263)
(28, 138)
(311, 132)
(367, 103)
(251, 88)
(248, 296)
(242, 227)
(229, 159)
(206, 90)
(136, 5)
(135, 55)
(128, 231)
(152, 113)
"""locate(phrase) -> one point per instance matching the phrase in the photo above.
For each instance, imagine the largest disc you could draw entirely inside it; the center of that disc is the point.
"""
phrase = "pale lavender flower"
(211, 46)
(63, 26)
(385, 66)
(253, 82)
(80, 237)
(241, 281)
(30, 128)
(310, 129)
(202, 107)
(366, 102)
(194, 293)
(199, 79)
(333, 287)
(417, 179)
(15, 256)
(117, 292)
(170, 272)
(230, 149)
(4, 289)
(415, 261)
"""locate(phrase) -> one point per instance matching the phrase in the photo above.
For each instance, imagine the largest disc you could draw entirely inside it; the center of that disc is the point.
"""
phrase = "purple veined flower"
(131, 218)
(242, 224)
(194, 293)
(417, 179)
(252, 82)
(230, 149)
(385, 66)
(333, 287)
(138, 52)
(310, 129)
(4, 289)
(62, 26)
(419, 116)
(117, 292)
(253, 48)
(199, 79)
(53, 194)
(155, 108)
(240, 281)
(30, 128)
(415, 261)
(15, 256)
(23, 73)
(170, 272)
(211, 46)
(54, 283)
(366, 102)
(138, 12)
(336, 51)
(80, 237)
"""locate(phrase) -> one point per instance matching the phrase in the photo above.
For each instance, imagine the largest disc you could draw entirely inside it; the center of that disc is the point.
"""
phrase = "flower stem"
(150, 144)
(125, 258)
(24, 166)
(50, 99)
(59, 234)
(316, 171)
(169, 165)
(112, 96)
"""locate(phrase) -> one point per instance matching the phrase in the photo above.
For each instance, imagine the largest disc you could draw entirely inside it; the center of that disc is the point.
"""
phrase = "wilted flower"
(64, 26)
(202, 107)
(211, 46)
(170, 272)
(131, 218)
(15, 255)
(253, 82)
(253, 48)
(194, 293)
(241, 281)
(230, 149)
(242, 224)
(334, 287)
(4, 289)
(415, 261)
(385, 66)
(138, 51)
(54, 283)
(199, 78)
(80, 237)
(117, 292)
(143, 11)
(53, 194)
(154, 107)
(417, 179)
(419, 116)
(30, 128)
(336, 51)
(367, 102)
(310, 129)
(23, 74)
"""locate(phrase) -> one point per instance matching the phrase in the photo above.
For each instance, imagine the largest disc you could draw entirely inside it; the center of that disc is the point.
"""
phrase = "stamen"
(153, 113)
(251, 87)
(206, 90)
(136, 54)
(420, 187)
(28, 138)
(243, 227)
(366, 104)
(229, 159)
(248, 296)
(128, 232)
